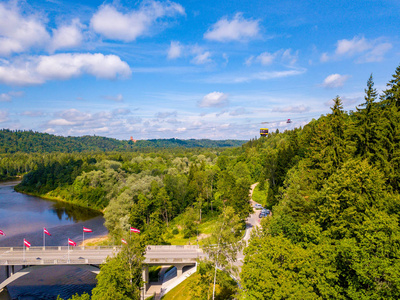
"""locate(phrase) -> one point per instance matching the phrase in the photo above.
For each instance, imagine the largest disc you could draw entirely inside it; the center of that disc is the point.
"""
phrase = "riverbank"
(97, 241)
(10, 182)
(57, 199)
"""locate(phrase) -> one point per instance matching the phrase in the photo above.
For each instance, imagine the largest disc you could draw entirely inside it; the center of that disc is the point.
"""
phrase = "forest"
(333, 188)
(14, 141)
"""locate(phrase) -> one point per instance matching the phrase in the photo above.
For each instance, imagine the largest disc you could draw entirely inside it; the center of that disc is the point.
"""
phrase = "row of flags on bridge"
(70, 242)
(46, 232)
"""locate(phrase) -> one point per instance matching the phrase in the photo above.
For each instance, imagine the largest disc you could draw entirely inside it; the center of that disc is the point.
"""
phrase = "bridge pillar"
(179, 270)
(145, 277)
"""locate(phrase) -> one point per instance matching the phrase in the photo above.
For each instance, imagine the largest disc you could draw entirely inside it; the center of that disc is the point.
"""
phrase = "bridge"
(90, 257)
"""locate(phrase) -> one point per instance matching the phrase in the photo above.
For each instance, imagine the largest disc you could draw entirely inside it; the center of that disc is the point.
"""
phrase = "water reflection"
(67, 211)
(23, 217)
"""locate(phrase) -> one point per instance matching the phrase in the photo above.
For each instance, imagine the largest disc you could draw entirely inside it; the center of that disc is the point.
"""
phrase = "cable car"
(263, 131)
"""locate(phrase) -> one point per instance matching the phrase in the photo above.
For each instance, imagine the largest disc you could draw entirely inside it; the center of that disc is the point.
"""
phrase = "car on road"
(258, 206)
(266, 211)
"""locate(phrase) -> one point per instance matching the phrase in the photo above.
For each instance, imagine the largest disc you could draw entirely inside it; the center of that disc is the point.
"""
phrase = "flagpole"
(83, 243)
(68, 250)
(44, 240)
(24, 250)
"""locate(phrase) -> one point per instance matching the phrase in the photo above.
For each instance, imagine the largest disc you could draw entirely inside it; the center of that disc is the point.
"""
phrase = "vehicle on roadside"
(265, 211)
(258, 206)
(262, 215)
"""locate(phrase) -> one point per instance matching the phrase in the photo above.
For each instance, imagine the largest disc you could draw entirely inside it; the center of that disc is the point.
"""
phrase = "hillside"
(31, 142)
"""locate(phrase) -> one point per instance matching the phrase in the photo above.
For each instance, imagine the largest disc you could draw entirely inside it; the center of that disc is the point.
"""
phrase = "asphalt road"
(78, 255)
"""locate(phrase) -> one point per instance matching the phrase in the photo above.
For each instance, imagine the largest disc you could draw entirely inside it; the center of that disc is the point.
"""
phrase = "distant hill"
(29, 141)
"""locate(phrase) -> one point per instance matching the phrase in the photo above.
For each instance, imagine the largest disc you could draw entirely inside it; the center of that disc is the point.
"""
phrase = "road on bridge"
(93, 255)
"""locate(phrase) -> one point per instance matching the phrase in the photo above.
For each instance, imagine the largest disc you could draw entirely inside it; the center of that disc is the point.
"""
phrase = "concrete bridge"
(90, 258)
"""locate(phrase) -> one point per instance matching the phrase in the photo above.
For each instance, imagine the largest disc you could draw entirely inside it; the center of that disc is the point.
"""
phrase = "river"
(23, 217)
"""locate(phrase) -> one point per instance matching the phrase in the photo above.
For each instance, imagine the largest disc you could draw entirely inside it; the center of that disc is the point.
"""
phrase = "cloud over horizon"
(127, 26)
(236, 29)
(214, 99)
(38, 70)
(335, 81)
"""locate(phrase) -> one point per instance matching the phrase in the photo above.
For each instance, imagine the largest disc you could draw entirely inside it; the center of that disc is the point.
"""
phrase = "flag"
(2, 233)
(125, 242)
(135, 230)
(87, 229)
(26, 243)
(71, 242)
(46, 231)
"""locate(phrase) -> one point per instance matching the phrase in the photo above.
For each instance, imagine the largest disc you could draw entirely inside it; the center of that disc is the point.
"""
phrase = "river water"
(23, 217)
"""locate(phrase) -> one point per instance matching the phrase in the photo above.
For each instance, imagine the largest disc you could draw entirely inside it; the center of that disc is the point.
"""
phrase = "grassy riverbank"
(57, 199)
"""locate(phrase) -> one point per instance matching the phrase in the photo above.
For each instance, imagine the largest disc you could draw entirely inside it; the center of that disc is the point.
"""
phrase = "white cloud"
(335, 81)
(49, 130)
(3, 116)
(68, 36)
(267, 75)
(19, 33)
(60, 122)
(225, 57)
(127, 27)
(351, 47)
(7, 97)
(266, 58)
(37, 70)
(363, 49)
(67, 65)
(202, 58)
(377, 53)
(324, 57)
(237, 29)
(74, 115)
(117, 98)
(121, 111)
(175, 50)
(214, 99)
(249, 61)
(287, 56)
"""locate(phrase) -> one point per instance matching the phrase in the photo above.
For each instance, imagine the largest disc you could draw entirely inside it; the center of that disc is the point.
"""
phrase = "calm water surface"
(23, 216)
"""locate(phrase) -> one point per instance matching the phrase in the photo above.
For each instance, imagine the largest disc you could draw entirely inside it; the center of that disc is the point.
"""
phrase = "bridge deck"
(160, 255)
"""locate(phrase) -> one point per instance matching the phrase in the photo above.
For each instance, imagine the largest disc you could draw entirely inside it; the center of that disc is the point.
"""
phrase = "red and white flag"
(135, 230)
(26, 243)
(71, 242)
(46, 231)
(87, 229)
(2, 233)
(124, 241)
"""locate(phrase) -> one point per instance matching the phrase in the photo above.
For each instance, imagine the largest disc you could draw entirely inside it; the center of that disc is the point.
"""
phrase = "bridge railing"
(59, 248)
(172, 247)
(62, 261)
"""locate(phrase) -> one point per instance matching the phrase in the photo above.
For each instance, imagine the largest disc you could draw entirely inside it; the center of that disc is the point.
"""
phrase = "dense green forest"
(333, 188)
(145, 190)
(32, 142)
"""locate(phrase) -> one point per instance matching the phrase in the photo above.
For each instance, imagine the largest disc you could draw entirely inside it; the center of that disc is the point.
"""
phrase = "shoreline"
(94, 241)
(55, 199)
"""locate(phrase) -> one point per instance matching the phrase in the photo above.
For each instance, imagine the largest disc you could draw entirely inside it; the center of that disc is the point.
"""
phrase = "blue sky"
(188, 69)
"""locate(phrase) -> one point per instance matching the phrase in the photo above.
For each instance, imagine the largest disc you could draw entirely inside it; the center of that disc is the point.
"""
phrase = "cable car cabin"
(263, 131)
